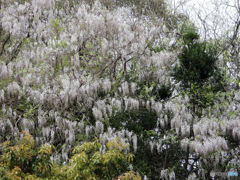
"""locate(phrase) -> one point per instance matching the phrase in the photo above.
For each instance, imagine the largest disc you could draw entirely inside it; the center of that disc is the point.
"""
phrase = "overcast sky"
(218, 14)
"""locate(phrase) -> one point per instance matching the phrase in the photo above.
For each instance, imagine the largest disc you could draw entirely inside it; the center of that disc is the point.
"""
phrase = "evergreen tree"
(197, 72)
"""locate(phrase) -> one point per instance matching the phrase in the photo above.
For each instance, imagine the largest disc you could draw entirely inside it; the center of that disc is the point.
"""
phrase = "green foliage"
(151, 163)
(29, 110)
(156, 49)
(131, 175)
(57, 28)
(4, 83)
(143, 122)
(189, 34)
(162, 92)
(89, 163)
(25, 158)
(137, 121)
(197, 73)
(152, 90)
(197, 61)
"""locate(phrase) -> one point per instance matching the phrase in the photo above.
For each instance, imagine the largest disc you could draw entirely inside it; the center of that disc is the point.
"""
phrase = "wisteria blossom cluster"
(72, 71)
(55, 68)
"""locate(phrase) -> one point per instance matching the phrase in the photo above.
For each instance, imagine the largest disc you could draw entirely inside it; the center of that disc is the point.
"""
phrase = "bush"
(25, 160)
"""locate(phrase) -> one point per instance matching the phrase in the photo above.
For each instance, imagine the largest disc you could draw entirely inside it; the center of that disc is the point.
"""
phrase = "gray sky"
(218, 15)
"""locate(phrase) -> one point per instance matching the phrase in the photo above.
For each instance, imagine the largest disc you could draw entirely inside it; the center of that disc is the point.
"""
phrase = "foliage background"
(126, 87)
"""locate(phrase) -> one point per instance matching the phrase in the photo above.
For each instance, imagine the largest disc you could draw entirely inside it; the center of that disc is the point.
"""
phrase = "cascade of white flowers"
(67, 58)
(49, 71)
